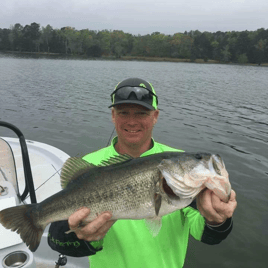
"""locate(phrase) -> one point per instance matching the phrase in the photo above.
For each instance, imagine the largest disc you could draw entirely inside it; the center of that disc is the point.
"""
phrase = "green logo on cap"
(142, 85)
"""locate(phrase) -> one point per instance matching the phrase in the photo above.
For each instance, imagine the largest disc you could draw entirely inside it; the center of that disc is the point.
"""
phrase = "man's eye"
(142, 113)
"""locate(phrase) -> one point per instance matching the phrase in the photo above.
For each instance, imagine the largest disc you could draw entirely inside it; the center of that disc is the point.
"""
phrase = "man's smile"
(132, 131)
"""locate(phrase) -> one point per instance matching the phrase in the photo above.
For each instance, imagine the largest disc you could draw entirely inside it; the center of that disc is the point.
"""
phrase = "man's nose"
(132, 120)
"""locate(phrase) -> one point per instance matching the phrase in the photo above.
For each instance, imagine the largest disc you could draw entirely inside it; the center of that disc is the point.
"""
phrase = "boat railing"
(29, 184)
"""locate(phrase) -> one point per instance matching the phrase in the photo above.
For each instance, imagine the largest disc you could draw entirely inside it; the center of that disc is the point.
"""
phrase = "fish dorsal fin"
(72, 168)
(116, 160)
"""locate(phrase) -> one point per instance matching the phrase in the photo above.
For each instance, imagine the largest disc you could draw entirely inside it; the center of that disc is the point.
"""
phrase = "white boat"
(29, 173)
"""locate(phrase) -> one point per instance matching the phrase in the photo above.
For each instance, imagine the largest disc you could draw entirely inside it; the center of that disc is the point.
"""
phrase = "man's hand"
(93, 231)
(213, 209)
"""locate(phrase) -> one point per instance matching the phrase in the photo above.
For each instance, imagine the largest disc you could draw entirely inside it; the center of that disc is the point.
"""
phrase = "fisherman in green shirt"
(129, 243)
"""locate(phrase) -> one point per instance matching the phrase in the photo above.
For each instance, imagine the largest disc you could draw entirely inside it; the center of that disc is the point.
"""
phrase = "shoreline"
(166, 59)
(126, 58)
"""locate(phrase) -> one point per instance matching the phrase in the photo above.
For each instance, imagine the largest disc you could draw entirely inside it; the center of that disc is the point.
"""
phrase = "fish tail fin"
(24, 220)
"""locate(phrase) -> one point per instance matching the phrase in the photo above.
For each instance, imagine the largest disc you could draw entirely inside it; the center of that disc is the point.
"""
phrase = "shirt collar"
(149, 152)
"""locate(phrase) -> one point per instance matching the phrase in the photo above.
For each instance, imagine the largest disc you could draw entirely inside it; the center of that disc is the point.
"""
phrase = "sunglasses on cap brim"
(141, 93)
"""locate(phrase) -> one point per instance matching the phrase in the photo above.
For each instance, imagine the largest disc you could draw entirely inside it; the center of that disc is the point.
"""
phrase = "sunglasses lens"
(135, 93)
(124, 93)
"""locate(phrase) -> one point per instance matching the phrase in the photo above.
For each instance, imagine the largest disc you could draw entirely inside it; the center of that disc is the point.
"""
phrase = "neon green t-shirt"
(130, 244)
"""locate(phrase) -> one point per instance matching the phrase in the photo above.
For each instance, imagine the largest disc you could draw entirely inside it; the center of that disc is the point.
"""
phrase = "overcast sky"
(139, 16)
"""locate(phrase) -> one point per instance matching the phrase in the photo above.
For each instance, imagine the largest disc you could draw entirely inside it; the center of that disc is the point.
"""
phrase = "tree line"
(241, 47)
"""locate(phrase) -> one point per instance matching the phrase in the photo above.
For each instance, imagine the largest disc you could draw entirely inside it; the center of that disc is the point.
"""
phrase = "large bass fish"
(141, 188)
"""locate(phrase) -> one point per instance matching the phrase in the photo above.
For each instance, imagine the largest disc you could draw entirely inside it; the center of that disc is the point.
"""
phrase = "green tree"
(225, 54)
(103, 40)
(242, 58)
(57, 43)
(16, 37)
(72, 40)
(31, 37)
(181, 45)
(159, 45)
(63, 37)
(4, 39)
(141, 46)
(203, 46)
(118, 43)
(261, 47)
(94, 51)
(216, 50)
(242, 43)
(46, 36)
(129, 43)
(87, 39)
(231, 41)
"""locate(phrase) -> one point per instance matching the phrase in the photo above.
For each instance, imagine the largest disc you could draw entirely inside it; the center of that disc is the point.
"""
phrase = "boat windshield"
(7, 166)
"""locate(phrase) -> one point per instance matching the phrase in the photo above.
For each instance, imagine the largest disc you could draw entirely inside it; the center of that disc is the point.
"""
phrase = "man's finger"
(205, 201)
(75, 219)
(216, 202)
(96, 224)
(101, 232)
(233, 195)
(104, 228)
(96, 229)
(206, 208)
(225, 209)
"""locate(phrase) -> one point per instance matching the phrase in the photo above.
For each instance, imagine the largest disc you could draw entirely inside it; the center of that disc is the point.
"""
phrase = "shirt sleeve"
(214, 235)
(69, 244)
(201, 231)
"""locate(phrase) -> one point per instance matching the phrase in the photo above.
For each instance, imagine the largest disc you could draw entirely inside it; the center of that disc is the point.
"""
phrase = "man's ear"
(156, 114)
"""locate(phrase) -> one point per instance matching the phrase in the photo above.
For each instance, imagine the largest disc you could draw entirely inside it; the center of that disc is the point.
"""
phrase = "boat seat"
(7, 166)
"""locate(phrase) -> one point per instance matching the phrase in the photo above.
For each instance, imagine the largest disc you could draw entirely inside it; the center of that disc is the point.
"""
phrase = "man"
(129, 243)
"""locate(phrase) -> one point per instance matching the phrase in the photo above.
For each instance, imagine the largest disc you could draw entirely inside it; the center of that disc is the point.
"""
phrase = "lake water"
(204, 107)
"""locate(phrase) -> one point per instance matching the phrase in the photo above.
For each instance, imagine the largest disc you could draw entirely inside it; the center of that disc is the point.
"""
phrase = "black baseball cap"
(137, 91)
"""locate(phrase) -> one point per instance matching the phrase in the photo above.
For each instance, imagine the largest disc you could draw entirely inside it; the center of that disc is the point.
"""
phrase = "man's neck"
(133, 149)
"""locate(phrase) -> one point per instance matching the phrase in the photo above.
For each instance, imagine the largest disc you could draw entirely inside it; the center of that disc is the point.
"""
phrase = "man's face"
(134, 123)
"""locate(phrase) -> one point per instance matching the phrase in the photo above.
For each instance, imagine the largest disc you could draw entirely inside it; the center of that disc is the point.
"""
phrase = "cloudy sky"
(139, 16)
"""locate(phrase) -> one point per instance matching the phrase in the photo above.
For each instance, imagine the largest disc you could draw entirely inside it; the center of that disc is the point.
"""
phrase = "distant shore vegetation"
(193, 46)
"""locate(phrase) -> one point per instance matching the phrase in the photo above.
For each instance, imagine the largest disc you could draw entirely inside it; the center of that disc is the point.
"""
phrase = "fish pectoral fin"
(157, 202)
(70, 231)
(80, 226)
(72, 168)
(154, 225)
(73, 230)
